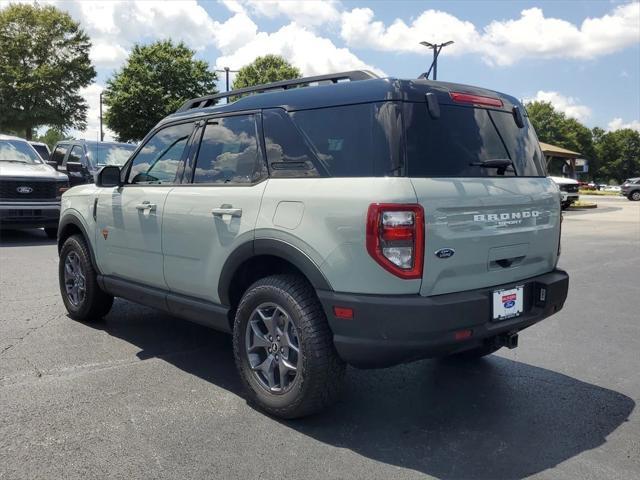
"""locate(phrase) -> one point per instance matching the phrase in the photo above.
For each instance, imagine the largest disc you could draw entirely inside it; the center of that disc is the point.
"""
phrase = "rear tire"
(284, 350)
(635, 196)
(476, 353)
(52, 232)
(81, 294)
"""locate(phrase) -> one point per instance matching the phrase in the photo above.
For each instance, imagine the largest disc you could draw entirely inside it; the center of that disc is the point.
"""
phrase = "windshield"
(42, 150)
(109, 154)
(18, 151)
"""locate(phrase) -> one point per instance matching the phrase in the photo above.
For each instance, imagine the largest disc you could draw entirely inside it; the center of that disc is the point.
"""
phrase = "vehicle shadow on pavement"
(489, 419)
(24, 238)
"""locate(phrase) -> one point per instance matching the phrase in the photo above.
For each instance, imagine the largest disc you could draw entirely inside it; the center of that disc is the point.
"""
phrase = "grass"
(599, 192)
(581, 204)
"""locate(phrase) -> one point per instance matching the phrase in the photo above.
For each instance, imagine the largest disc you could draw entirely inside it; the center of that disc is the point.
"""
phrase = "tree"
(51, 137)
(44, 62)
(154, 82)
(267, 69)
(619, 153)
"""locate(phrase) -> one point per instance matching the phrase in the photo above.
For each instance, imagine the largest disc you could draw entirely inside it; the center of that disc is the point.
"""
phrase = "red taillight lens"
(475, 99)
(395, 238)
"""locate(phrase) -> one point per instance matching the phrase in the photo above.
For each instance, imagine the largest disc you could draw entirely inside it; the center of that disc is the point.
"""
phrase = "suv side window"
(59, 153)
(75, 155)
(288, 154)
(159, 160)
(229, 152)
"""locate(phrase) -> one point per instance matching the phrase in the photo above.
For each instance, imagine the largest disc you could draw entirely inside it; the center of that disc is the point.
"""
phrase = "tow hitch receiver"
(509, 340)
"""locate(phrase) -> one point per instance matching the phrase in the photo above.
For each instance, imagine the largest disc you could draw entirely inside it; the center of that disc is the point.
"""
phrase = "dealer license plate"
(508, 303)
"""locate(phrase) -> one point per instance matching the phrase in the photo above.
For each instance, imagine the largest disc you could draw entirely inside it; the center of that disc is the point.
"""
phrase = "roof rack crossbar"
(209, 100)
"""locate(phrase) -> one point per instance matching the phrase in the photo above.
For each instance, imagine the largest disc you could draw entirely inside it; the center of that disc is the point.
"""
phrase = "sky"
(582, 56)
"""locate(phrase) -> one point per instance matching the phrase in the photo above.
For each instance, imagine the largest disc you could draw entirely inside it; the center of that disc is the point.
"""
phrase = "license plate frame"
(507, 303)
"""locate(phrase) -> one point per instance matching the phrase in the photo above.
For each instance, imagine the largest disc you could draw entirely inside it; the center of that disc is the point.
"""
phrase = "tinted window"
(108, 153)
(229, 152)
(59, 153)
(355, 140)
(17, 151)
(287, 152)
(42, 150)
(453, 145)
(75, 155)
(158, 161)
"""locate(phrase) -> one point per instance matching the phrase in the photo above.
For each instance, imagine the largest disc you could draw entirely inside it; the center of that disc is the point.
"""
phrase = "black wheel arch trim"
(272, 247)
(73, 219)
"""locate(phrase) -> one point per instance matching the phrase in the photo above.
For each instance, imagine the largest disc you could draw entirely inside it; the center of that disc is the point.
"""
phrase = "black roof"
(340, 93)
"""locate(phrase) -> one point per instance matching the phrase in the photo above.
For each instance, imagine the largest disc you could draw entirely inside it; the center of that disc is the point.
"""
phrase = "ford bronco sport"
(325, 221)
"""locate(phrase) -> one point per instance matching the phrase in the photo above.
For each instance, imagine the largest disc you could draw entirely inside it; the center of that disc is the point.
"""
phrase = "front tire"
(81, 294)
(284, 349)
(635, 196)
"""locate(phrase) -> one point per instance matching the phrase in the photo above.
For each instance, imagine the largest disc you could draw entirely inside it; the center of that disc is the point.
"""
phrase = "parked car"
(331, 220)
(42, 149)
(30, 190)
(568, 190)
(82, 159)
(631, 189)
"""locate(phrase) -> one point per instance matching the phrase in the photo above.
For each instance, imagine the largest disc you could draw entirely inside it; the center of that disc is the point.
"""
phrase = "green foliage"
(44, 62)
(267, 69)
(51, 137)
(155, 81)
(619, 154)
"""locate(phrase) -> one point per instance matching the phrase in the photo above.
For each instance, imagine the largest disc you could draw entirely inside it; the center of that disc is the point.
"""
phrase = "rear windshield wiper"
(499, 163)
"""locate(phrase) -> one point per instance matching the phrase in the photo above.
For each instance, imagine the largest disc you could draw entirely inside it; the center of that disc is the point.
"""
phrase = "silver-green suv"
(325, 221)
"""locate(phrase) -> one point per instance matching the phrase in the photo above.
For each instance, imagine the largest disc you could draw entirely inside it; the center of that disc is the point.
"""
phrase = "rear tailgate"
(501, 230)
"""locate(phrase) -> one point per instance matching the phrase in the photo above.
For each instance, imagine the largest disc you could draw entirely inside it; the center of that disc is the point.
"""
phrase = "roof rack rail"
(209, 100)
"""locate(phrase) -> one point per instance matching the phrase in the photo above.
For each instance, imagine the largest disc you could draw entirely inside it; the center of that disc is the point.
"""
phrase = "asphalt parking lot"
(143, 395)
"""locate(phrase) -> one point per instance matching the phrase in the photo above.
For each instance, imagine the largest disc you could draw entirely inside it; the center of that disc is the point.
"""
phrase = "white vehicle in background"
(568, 190)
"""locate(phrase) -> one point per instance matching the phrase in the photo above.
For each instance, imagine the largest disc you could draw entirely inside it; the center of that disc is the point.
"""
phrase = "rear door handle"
(151, 207)
(226, 210)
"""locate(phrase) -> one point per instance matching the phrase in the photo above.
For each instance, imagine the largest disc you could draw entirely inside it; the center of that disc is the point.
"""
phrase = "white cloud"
(91, 95)
(303, 12)
(618, 124)
(567, 105)
(312, 54)
(502, 42)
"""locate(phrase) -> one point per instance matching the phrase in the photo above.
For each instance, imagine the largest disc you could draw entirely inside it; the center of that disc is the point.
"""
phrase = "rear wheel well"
(252, 270)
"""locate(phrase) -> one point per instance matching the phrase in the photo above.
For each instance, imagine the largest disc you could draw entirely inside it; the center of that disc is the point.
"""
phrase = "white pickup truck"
(568, 190)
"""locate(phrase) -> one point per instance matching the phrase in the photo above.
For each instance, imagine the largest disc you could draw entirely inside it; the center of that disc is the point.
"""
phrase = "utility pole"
(437, 48)
(101, 132)
(226, 71)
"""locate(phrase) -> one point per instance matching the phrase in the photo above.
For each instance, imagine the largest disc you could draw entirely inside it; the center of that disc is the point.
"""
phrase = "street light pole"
(437, 48)
(101, 132)
(226, 71)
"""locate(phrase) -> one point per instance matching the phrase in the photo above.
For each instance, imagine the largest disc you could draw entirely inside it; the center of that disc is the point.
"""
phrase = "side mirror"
(109, 176)
(52, 163)
(75, 167)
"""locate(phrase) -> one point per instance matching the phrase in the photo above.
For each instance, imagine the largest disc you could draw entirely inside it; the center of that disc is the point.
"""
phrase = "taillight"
(395, 238)
(475, 99)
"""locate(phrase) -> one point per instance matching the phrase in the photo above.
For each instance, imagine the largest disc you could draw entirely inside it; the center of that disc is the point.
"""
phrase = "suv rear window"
(355, 140)
(450, 145)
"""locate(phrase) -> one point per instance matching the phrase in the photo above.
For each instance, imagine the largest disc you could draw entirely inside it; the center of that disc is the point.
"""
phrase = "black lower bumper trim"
(387, 330)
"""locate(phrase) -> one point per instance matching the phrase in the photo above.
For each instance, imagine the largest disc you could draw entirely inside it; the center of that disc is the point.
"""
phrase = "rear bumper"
(29, 214)
(387, 330)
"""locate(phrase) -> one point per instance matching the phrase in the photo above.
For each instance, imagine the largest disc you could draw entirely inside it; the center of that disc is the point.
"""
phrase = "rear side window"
(355, 140)
(229, 152)
(462, 137)
(288, 154)
(59, 153)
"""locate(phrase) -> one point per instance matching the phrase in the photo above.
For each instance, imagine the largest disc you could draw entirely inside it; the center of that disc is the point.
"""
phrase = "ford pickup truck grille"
(26, 191)
(570, 188)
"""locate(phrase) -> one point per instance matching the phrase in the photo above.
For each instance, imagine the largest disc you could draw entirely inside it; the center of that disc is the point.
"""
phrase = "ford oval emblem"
(445, 252)
(24, 189)
(509, 304)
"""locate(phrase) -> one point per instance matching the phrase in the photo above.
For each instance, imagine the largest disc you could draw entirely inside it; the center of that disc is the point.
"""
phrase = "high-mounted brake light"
(395, 238)
(475, 99)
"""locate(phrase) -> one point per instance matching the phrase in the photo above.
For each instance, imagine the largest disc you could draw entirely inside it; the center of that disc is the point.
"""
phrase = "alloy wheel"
(272, 347)
(74, 279)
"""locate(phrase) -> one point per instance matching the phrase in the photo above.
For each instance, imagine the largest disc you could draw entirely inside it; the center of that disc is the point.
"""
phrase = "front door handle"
(146, 206)
(226, 210)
